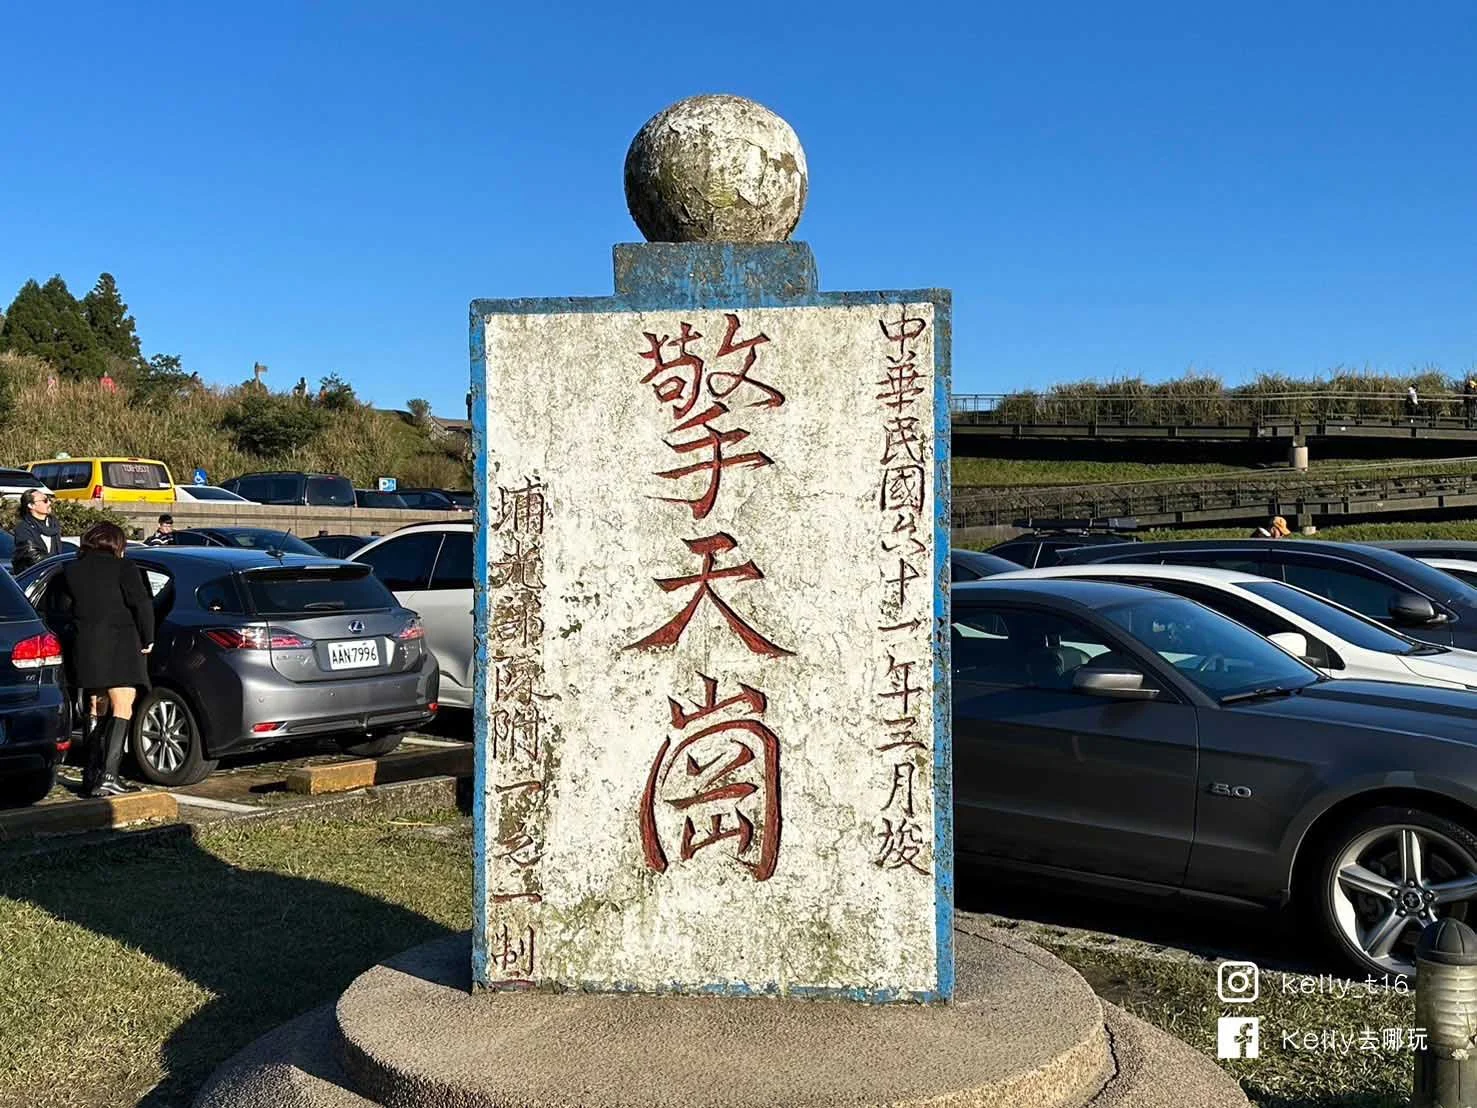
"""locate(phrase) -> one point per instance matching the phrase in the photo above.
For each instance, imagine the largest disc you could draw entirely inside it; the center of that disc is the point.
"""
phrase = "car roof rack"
(1113, 525)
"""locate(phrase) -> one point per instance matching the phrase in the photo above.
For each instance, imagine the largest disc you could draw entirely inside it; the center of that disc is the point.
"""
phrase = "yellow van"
(138, 479)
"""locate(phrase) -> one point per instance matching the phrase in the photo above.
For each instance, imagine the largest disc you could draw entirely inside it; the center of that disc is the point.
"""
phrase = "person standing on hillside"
(37, 534)
(1470, 390)
(1412, 402)
(1277, 529)
(104, 598)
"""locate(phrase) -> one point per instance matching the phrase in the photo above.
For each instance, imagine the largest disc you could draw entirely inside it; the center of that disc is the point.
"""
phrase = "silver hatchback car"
(255, 647)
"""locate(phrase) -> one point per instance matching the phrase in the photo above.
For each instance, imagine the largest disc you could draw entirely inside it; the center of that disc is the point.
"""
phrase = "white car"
(428, 566)
(1338, 642)
(1462, 570)
(187, 493)
(13, 482)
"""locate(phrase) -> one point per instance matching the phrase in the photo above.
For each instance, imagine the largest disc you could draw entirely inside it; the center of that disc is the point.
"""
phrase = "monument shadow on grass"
(267, 946)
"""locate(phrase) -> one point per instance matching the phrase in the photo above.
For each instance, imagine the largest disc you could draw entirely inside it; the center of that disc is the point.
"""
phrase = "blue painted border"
(482, 513)
(686, 292)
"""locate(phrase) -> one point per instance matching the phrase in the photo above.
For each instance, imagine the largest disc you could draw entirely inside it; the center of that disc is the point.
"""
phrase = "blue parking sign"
(201, 478)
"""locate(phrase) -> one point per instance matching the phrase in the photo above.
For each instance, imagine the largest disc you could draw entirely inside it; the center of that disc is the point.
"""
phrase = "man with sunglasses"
(37, 533)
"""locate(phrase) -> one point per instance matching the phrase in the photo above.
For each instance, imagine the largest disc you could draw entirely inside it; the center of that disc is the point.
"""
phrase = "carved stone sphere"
(716, 169)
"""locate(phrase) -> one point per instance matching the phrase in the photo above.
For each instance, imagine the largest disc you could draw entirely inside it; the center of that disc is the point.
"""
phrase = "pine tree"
(46, 321)
(108, 317)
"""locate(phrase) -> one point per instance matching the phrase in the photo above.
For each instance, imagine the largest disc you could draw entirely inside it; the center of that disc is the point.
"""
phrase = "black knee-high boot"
(112, 784)
(94, 752)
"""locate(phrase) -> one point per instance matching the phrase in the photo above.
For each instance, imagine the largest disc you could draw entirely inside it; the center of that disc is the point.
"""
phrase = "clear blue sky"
(1107, 188)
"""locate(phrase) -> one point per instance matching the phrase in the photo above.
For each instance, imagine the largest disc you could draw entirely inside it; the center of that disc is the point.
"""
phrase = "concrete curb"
(338, 777)
(88, 813)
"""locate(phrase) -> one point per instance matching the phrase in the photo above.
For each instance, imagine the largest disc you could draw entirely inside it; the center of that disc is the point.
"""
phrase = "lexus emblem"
(356, 626)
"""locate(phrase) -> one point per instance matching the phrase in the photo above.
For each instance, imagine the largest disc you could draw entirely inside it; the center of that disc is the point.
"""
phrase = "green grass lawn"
(1017, 472)
(132, 969)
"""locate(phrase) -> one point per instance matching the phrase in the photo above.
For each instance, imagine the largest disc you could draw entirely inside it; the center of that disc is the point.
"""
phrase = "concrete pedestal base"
(1024, 1030)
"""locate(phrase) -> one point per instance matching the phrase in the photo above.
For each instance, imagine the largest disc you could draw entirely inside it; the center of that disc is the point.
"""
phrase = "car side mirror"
(1115, 684)
(1413, 611)
(1294, 642)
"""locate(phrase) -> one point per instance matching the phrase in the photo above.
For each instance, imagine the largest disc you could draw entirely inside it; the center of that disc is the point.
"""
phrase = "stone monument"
(712, 629)
(713, 842)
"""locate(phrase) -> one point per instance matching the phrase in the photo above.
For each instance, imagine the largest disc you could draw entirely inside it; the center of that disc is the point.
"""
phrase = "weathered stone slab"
(712, 631)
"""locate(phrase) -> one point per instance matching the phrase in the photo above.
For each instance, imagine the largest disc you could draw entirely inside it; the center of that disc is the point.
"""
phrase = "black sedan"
(35, 721)
(1384, 585)
(1110, 733)
(246, 538)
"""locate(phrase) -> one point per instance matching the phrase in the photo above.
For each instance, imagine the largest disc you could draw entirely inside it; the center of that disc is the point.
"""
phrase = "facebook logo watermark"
(1238, 1037)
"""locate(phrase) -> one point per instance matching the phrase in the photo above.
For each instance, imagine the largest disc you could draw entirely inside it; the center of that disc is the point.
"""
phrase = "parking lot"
(255, 782)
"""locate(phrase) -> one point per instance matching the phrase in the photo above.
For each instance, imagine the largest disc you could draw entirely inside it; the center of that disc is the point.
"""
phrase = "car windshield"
(205, 492)
(252, 538)
(1218, 654)
(1347, 625)
(303, 590)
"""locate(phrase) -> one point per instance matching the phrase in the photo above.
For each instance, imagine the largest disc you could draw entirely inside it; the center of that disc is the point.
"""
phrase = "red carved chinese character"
(902, 845)
(902, 783)
(512, 956)
(522, 569)
(904, 329)
(901, 385)
(755, 699)
(900, 674)
(719, 784)
(906, 524)
(714, 440)
(901, 731)
(515, 732)
(902, 437)
(902, 488)
(905, 574)
(773, 397)
(522, 508)
(670, 632)
(678, 390)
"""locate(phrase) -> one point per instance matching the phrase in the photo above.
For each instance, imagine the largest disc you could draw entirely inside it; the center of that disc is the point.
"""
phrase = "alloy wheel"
(164, 738)
(1389, 883)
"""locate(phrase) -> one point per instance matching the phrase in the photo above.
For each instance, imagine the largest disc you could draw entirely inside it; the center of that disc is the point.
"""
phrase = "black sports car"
(1117, 734)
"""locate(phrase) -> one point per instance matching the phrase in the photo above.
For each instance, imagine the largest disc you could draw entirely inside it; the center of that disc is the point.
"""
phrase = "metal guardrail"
(1212, 410)
(1354, 490)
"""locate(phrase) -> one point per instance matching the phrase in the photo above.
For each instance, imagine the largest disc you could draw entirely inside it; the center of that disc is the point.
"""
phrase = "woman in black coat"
(112, 630)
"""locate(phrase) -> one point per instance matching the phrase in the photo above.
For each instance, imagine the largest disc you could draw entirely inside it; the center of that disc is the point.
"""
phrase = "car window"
(191, 538)
(205, 492)
(1022, 553)
(1348, 626)
(13, 603)
(1466, 576)
(404, 564)
(135, 475)
(285, 490)
(220, 595)
(1208, 559)
(1352, 586)
(1219, 655)
(959, 572)
(1017, 648)
(60, 476)
(309, 590)
(337, 492)
(454, 564)
(1261, 620)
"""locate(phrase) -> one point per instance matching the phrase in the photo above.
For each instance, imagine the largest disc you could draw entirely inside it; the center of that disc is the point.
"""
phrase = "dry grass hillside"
(188, 431)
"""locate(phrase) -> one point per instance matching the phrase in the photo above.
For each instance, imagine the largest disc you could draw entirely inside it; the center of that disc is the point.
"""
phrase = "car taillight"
(37, 651)
(256, 638)
(97, 492)
(412, 630)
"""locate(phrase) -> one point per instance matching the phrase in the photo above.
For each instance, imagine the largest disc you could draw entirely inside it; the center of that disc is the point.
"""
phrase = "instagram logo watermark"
(1238, 982)
(1238, 1037)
